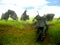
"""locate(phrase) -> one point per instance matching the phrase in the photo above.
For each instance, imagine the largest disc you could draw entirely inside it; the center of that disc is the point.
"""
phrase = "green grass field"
(23, 33)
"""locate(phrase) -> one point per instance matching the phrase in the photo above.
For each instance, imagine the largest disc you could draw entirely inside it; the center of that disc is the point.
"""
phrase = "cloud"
(20, 5)
(31, 5)
(50, 9)
(24, 3)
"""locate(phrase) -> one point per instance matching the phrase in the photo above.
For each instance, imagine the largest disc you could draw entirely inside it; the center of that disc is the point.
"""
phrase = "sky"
(32, 6)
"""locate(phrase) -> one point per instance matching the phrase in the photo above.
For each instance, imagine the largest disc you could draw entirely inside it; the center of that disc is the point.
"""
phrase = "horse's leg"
(44, 33)
(41, 34)
(38, 32)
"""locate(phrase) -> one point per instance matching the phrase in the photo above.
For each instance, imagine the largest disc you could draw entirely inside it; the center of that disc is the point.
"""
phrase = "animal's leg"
(43, 34)
(39, 32)
(44, 31)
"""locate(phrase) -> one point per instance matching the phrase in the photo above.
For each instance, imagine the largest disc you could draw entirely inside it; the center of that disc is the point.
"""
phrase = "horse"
(10, 13)
(41, 27)
(24, 16)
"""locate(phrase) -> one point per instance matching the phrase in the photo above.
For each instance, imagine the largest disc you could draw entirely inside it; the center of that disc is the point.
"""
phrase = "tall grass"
(22, 33)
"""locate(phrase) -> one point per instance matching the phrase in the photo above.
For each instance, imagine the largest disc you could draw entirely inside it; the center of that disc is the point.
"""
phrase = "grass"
(23, 33)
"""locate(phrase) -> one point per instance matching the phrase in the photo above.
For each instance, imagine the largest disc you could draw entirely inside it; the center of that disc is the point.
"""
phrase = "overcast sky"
(43, 6)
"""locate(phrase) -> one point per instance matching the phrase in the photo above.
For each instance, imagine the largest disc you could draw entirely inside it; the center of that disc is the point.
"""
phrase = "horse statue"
(24, 16)
(8, 14)
(41, 27)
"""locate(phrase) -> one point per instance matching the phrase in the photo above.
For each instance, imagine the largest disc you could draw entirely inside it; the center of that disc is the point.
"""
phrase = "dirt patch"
(7, 29)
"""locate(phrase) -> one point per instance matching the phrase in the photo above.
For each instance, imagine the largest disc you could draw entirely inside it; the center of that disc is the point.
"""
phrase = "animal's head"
(4, 16)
